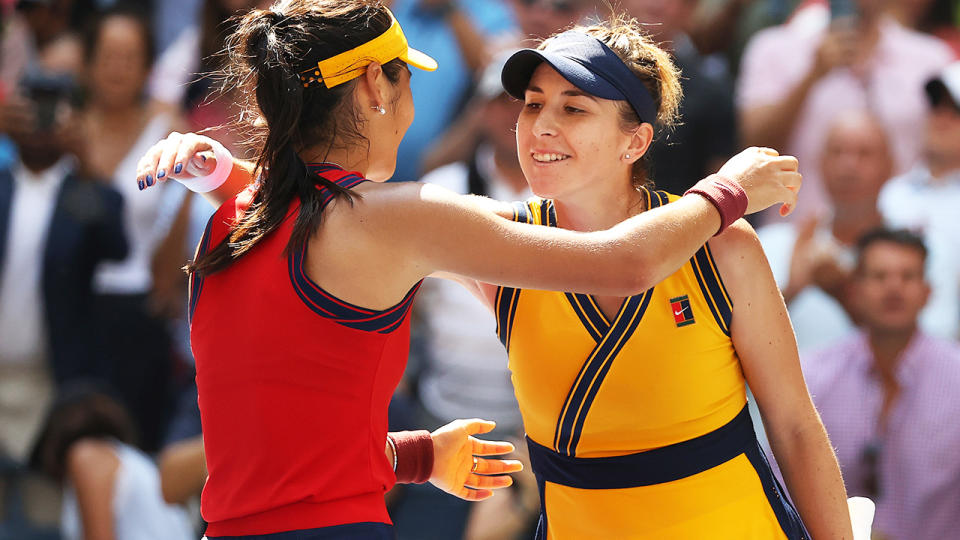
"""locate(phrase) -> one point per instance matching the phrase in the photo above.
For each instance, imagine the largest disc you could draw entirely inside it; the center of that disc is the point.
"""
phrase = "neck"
(887, 346)
(115, 113)
(941, 166)
(508, 167)
(849, 223)
(41, 163)
(351, 159)
(596, 209)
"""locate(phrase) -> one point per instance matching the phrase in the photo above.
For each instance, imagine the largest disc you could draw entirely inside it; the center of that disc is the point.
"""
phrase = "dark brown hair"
(652, 65)
(900, 237)
(83, 410)
(266, 55)
(91, 34)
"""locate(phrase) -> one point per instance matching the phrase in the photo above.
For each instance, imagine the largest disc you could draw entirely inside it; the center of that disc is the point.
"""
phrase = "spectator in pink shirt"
(889, 398)
(796, 77)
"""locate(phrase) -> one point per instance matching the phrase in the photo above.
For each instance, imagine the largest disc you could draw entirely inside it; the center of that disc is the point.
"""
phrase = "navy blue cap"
(588, 64)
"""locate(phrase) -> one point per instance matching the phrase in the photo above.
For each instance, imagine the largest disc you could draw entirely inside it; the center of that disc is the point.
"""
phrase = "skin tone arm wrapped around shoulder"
(475, 241)
(764, 341)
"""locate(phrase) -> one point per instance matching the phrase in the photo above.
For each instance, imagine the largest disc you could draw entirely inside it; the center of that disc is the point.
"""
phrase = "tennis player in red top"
(302, 284)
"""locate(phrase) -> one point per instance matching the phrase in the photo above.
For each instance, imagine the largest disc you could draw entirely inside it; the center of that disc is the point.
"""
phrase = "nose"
(545, 124)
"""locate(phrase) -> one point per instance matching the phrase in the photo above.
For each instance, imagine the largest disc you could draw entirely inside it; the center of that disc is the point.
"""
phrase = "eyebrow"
(574, 92)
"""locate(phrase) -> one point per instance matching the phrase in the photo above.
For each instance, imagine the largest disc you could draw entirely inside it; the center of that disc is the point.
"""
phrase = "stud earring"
(626, 156)
(379, 109)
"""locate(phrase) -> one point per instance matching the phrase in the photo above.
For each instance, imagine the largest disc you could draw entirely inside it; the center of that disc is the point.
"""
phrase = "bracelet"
(210, 182)
(394, 448)
(727, 196)
(414, 456)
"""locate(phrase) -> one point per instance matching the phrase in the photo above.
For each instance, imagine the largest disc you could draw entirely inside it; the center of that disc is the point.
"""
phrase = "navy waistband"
(655, 466)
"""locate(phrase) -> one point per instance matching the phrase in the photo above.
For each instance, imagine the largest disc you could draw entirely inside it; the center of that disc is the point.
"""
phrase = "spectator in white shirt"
(926, 200)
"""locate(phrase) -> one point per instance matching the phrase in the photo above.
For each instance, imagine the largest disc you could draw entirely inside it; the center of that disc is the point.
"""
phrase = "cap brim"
(520, 67)
(419, 59)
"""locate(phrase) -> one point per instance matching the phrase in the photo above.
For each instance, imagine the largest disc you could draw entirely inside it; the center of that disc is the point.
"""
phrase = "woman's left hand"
(459, 463)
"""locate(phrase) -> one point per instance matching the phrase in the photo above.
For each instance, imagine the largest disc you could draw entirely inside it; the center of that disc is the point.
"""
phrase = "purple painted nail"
(140, 184)
(149, 180)
(178, 168)
(162, 173)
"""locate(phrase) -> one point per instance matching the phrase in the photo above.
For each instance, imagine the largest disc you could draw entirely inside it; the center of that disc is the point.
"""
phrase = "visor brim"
(419, 59)
(519, 69)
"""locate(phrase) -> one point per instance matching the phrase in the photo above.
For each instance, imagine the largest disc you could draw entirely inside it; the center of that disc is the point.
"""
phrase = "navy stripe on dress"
(596, 327)
(656, 466)
(326, 304)
(708, 282)
(594, 369)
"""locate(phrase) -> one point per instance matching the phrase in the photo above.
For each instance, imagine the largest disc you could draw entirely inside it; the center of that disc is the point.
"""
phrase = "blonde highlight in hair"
(651, 64)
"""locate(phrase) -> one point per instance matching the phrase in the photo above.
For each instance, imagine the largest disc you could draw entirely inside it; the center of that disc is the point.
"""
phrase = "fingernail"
(140, 184)
(149, 180)
(162, 173)
(178, 168)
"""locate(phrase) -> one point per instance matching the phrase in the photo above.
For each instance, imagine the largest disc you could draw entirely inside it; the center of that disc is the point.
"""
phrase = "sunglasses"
(561, 6)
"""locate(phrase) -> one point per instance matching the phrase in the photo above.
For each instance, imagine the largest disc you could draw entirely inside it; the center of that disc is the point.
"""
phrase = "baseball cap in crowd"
(489, 86)
(947, 83)
(586, 63)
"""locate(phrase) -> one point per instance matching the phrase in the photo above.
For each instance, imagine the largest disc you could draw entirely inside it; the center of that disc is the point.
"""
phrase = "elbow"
(628, 276)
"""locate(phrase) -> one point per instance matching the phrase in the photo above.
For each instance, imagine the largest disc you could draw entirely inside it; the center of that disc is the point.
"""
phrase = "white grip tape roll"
(210, 182)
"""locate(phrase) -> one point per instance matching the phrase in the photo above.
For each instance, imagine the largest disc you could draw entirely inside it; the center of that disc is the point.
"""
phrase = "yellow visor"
(349, 65)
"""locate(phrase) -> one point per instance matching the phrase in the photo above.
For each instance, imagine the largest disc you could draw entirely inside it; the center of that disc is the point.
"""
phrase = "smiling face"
(569, 141)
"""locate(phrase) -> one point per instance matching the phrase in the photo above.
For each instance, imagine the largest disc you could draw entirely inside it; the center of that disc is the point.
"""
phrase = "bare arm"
(92, 469)
(772, 124)
(765, 343)
(473, 242)
(469, 39)
(183, 470)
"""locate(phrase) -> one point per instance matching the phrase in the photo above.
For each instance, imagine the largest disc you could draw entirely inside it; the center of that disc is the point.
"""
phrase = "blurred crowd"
(99, 429)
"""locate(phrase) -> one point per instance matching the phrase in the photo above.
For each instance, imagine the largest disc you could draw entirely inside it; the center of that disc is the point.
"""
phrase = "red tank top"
(293, 387)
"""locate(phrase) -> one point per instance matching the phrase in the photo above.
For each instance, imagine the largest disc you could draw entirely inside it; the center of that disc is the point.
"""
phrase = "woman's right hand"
(766, 176)
(180, 156)
(466, 466)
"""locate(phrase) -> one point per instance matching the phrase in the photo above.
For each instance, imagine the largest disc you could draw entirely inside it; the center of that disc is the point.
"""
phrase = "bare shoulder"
(739, 256)
(737, 245)
(391, 201)
(88, 457)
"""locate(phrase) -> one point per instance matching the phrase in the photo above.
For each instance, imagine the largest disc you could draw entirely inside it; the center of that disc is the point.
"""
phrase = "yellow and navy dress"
(637, 426)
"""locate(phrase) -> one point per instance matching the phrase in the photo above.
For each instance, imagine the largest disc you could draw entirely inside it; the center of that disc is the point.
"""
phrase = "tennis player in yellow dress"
(635, 408)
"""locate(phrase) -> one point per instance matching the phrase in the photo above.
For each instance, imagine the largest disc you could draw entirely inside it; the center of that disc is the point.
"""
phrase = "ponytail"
(266, 54)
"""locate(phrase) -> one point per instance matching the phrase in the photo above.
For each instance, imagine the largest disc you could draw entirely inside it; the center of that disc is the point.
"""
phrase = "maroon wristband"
(414, 451)
(725, 194)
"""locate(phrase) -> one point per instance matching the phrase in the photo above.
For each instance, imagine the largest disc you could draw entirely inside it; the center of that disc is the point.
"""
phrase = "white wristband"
(210, 182)
(394, 448)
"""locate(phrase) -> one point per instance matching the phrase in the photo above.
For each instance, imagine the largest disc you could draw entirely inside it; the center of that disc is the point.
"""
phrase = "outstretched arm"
(765, 343)
(429, 229)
